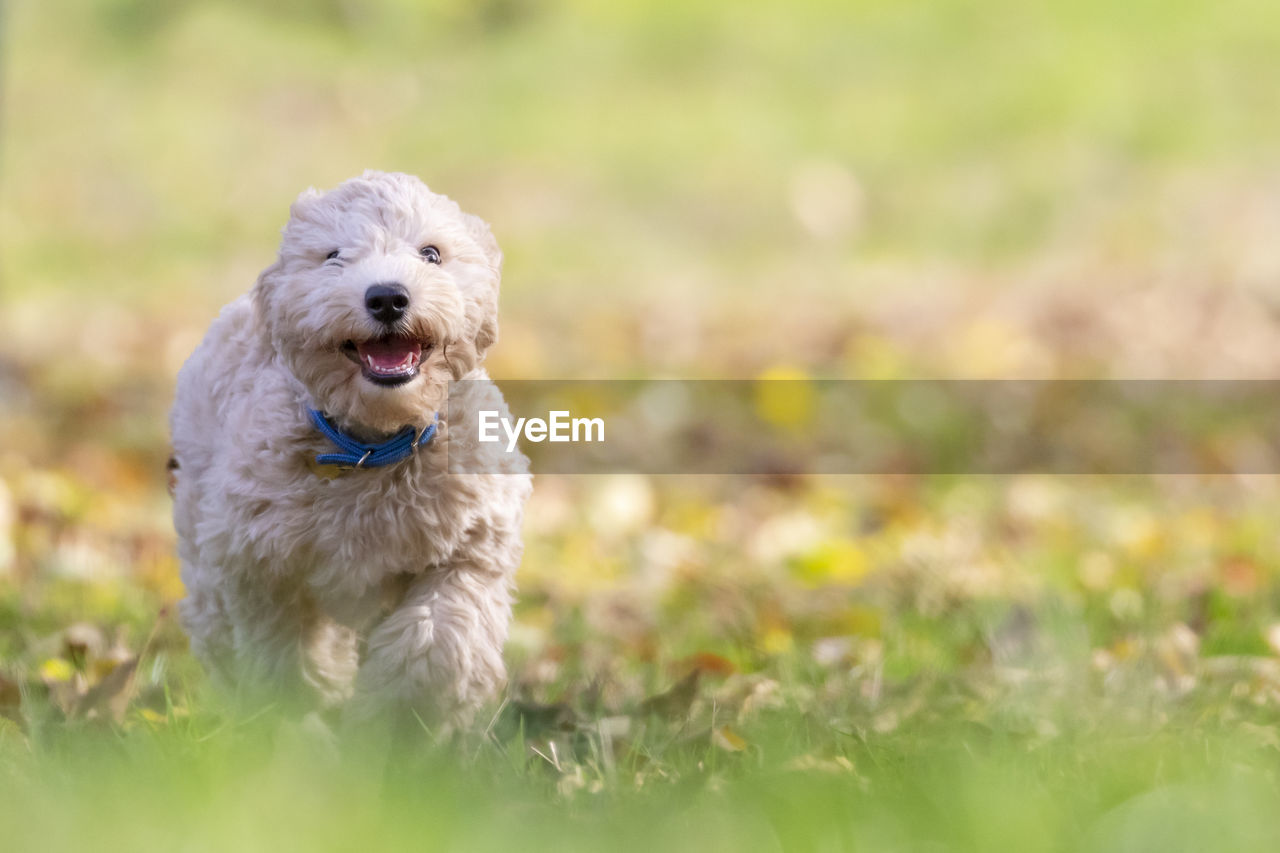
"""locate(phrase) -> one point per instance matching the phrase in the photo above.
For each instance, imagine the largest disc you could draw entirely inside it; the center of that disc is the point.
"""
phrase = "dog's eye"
(332, 255)
(430, 254)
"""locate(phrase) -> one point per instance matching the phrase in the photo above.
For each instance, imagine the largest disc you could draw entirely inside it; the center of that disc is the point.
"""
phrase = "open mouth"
(388, 361)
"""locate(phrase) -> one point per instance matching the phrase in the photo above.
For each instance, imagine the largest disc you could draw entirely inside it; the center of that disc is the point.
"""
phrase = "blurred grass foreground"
(871, 190)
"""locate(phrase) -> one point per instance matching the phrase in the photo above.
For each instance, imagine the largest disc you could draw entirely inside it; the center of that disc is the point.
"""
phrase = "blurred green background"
(844, 189)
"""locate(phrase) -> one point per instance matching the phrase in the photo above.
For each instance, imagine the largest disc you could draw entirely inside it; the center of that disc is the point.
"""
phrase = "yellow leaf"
(102, 667)
(154, 717)
(777, 641)
(728, 740)
(56, 669)
(784, 398)
(834, 561)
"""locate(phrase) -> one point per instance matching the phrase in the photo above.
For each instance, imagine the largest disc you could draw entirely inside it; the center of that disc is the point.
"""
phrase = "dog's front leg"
(438, 654)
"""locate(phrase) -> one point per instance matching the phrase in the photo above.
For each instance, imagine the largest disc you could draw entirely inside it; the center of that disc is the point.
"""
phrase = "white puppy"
(383, 579)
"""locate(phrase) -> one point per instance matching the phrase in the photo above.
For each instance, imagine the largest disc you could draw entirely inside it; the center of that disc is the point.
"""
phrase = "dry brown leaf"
(710, 663)
(10, 699)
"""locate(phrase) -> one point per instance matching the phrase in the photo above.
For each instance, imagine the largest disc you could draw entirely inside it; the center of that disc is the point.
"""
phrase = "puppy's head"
(383, 292)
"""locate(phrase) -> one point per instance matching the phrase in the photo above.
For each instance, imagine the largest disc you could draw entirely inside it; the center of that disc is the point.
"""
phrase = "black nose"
(386, 302)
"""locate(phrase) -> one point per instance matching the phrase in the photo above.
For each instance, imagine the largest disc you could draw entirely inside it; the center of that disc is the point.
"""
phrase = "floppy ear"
(479, 231)
(303, 209)
(260, 296)
(486, 303)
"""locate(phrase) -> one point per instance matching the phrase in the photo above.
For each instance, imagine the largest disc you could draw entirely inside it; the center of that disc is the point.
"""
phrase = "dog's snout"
(386, 302)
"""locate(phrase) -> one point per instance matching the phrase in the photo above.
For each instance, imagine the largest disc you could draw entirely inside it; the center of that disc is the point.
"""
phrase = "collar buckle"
(356, 454)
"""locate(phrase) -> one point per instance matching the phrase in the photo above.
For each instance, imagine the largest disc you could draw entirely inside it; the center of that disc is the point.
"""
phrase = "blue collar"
(358, 454)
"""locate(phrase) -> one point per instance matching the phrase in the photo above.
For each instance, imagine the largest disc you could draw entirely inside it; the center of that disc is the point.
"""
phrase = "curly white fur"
(390, 587)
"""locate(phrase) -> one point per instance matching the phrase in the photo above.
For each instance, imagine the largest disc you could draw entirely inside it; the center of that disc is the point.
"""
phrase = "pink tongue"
(389, 353)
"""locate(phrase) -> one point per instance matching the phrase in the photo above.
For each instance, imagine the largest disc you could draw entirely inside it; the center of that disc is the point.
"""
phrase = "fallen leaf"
(776, 640)
(56, 670)
(10, 699)
(728, 740)
(676, 701)
(154, 717)
(710, 663)
(1241, 576)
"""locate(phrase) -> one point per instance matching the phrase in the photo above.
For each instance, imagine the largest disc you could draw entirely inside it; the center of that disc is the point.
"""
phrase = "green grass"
(630, 137)
(956, 664)
(1083, 675)
(1150, 779)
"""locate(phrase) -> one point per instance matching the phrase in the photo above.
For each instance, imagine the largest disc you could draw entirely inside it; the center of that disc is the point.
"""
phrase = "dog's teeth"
(379, 367)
